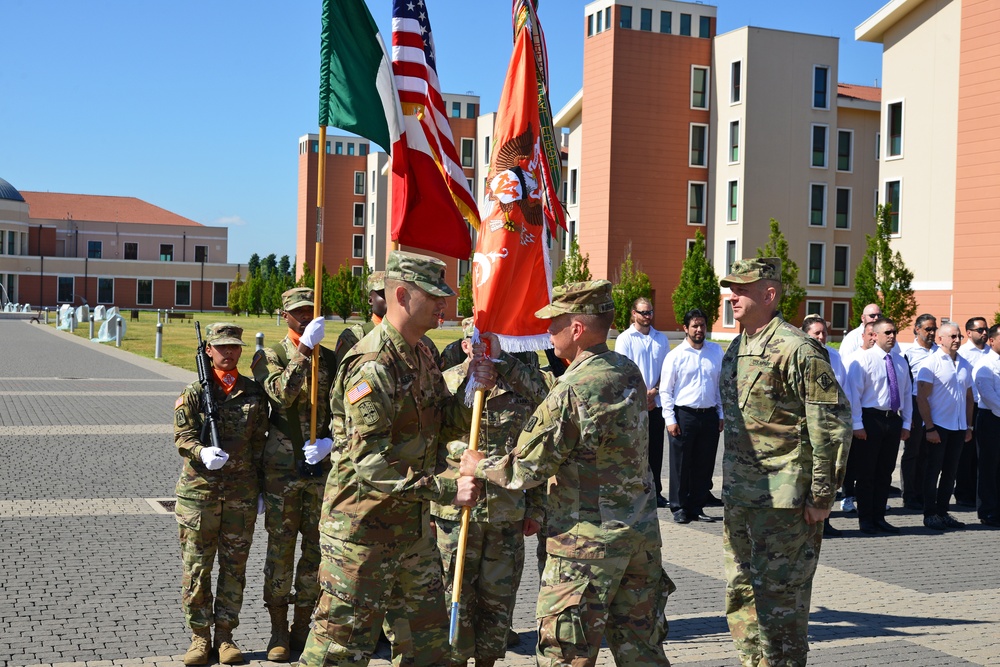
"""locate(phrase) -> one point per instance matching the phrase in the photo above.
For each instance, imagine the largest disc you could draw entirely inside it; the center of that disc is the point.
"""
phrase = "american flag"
(414, 69)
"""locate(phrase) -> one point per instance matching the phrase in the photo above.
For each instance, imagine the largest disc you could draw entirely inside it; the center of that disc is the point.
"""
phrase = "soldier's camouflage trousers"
(358, 583)
(619, 598)
(771, 556)
(292, 506)
(494, 559)
(208, 527)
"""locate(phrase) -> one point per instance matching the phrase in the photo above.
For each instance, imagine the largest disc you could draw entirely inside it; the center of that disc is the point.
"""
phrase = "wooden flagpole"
(318, 278)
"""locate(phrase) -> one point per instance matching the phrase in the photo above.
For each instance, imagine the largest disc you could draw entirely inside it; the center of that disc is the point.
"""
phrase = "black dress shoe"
(701, 516)
(830, 531)
(990, 521)
(868, 527)
(886, 527)
(712, 501)
(680, 516)
(662, 502)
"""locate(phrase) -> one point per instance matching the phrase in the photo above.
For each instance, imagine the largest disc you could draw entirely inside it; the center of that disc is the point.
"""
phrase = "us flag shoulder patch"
(358, 391)
(179, 403)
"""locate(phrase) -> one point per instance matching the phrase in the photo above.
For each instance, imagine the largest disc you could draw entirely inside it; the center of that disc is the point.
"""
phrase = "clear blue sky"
(197, 106)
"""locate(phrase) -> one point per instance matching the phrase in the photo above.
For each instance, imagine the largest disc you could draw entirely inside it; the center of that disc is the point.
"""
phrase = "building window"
(468, 150)
(182, 293)
(144, 292)
(131, 251)
(371, 240)
(468, 183)
(878, 145)
(590, 25)
(730, 254)
(359, 246)
(843, 208)
(696, 203)
(817, 204)
(699, 145)
(728, 318)
(666, 19)
(359, 214)
(734, 142)
(363, 149)
(339, 148)
(314, 146)
(600, 21)
(470, 110)
(736, 82)
(201, 253)
(350, 148)
(356, 271)
(816, 252)
(699, 87)
(841, 262)
(821, 87)
(105, 290)
(646, 19)
(705, 27)
(359, 182)
(734, 199)
(690, 246)
(11, 243)
(371, 186)
(607, 18)
(895, 130)
(819, 137)
(893, 192)
(328, 148)
(814, 308)
(94, 249)
(166, 252)
(625, 17)
(686, 25)
(486, 151)
(563, 192)
(572, 186)
(64, 293)
(569, 235)
(220, 295)
(845, 145)
(456, 109)
(840, 309)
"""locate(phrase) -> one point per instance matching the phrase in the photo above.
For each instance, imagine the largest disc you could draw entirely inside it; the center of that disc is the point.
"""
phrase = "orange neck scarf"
(376, 319)
(294, 337)
(226, 379)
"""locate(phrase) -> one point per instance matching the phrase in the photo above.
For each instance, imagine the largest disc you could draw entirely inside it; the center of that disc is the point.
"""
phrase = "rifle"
(209, 409)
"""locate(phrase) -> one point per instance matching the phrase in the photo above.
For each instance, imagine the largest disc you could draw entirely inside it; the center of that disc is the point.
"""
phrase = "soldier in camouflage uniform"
(787, 434)
(390, 405)
(603, 577)
(217, 495)
(293, 486)
(494, 554)
(454, 352)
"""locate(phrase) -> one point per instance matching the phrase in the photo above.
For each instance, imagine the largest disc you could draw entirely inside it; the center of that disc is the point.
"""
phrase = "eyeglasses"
(874, 316)
(644, 313)
(980, 330)
(953, 336)
(931, 330)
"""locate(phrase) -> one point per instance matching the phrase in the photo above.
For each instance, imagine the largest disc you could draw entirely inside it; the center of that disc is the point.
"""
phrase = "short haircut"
(923, 318)
(970, 323)
(868, 325)
(598, 322)
(810, 321)
(694, 314)
(994, 330)
(641, 299)
(883, 320)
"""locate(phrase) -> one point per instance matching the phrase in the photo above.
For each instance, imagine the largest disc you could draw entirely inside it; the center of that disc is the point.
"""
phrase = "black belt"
(880, 412)
(697, 411)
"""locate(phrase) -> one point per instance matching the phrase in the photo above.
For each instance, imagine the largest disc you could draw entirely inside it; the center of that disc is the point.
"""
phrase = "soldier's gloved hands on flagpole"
(529, 527)
(482, 372)
(470, 459)
(468, 491)
(213, 457)
(314, 333)
(492, 341)
(260, 504)
(317, 451)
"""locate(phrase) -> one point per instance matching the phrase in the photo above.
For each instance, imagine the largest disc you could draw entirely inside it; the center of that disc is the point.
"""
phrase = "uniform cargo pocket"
(560, 614)
(188, 514)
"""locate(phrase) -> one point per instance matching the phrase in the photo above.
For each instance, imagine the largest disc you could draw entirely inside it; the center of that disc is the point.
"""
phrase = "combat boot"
(300, 628)
(277, 648)
(201, 641)
(229, 652)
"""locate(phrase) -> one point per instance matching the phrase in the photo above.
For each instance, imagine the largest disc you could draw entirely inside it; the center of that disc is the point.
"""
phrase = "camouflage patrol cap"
(297, 297)
(425, 272)
(467, 327)
(587, 298)
(746, 271)
(376, 281)
(224, 333)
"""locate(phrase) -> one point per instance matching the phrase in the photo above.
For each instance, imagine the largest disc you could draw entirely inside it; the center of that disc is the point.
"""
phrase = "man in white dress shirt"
(881, 410)
(944, 396)
(852, 340)
(973, 350)
(911, 465)
(647, 347)
(692, 410)
(986, 379)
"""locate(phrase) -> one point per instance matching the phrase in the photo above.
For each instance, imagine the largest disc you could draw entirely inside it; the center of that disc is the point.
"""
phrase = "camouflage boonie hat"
(746, 271)
(223, 333)
(296, 298)
(376, 281)
(587, 298)
(467, 327)
(425, 272)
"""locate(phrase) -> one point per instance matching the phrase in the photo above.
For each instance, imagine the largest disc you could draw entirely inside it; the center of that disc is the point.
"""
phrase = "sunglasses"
(953, 336)
(644, 313)
(980, 330)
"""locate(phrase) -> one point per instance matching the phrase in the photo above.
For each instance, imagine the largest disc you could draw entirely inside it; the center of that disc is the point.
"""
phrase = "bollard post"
(277, 319)
(159, 341)
(260, 341)
(46, 317)
(118, 332)
(72, 321)
(91, 328)
(158, 317)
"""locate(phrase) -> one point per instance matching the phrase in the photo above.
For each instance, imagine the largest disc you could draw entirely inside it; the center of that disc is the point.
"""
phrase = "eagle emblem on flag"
(514, 184)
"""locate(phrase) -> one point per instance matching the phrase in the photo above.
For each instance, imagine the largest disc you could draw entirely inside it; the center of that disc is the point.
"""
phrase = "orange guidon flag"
(512, 275)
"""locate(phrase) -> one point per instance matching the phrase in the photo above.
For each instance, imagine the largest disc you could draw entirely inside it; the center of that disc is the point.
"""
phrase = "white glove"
(260, 504)
(318, 451)
(314, 333)
(213, 457)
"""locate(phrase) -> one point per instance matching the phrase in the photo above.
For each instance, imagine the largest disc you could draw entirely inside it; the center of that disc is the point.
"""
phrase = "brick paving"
(90, 573)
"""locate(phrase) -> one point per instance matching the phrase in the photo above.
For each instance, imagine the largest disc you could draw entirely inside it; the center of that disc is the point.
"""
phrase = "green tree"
(465, 304)
(285, 266)
(270, 298)
(792, 294)
(698, 286)
(574, 267)
(237, 295)
(361, 293)
(630, 284)
(253, 265)
(338, 292)
(306, 279)
(882, 278)
(254, 290)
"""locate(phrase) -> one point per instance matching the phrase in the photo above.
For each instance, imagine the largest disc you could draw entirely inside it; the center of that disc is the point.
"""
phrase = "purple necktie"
(890, 372)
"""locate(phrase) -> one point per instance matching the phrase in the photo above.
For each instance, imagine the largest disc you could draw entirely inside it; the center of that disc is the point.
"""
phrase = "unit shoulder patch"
(369, 412)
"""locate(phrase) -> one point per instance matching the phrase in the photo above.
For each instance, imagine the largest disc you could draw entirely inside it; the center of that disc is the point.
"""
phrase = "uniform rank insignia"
(369, 413)
(358, 391)
(825, 381)
(530, 424)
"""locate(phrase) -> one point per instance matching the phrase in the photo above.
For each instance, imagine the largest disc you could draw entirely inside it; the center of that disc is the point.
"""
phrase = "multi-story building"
(939, 169)
(790, 143)
(93, 249)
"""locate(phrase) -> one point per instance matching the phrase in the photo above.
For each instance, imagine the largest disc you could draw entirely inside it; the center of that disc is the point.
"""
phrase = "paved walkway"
(90, 570)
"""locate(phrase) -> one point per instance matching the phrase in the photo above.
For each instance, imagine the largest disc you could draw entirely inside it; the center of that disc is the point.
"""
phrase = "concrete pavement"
(90, 569)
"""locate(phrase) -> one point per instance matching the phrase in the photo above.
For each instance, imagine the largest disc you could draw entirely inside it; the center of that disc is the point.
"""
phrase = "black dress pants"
(692, 458)
(876, 459)
(657, 426)
(988, 441)
(940, 466)
(911, 466)
(968, 465)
